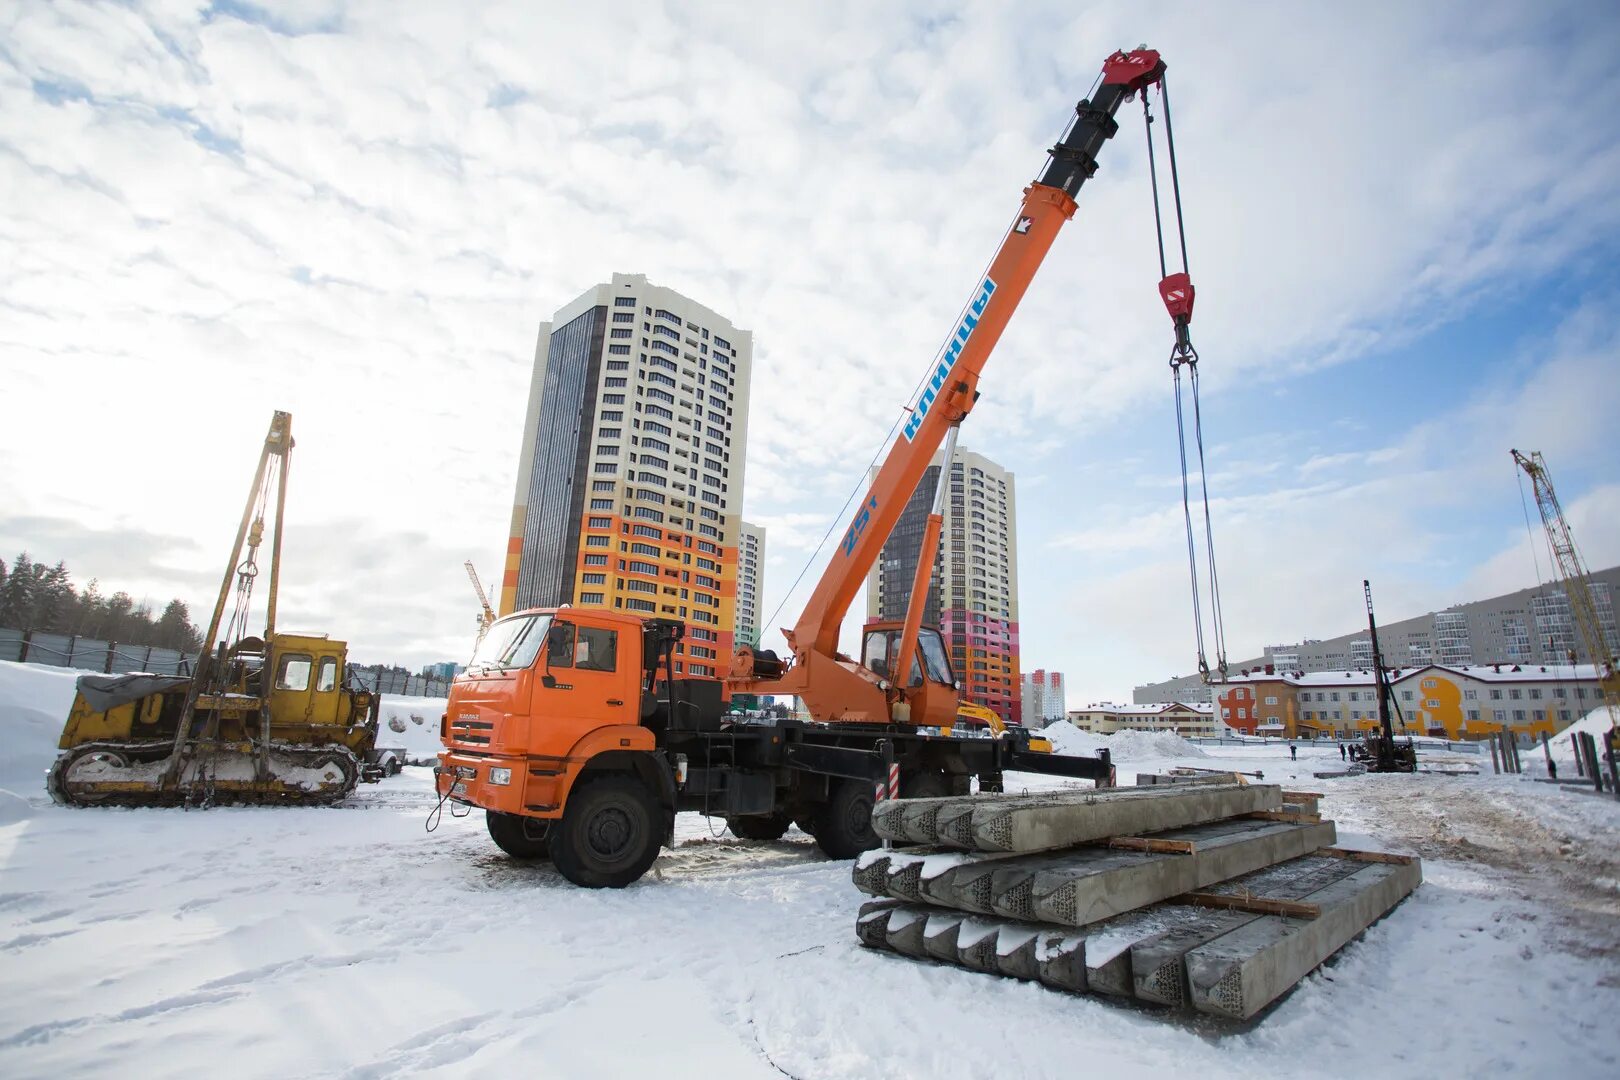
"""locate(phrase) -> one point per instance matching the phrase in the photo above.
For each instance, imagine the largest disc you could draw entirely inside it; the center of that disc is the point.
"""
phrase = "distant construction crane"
(1576, 581)
(486, 617)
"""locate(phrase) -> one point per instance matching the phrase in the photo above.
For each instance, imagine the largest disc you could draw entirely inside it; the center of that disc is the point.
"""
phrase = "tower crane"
(486, 617)
(1576, 582)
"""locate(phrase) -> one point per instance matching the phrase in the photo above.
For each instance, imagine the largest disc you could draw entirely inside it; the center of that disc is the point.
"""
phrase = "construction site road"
(165, 941)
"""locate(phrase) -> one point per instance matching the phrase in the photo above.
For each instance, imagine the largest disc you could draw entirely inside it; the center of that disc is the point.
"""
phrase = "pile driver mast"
(1576, 582)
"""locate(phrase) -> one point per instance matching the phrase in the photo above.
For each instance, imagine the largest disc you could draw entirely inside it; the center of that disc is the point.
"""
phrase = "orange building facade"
(1461, 702)
(630, 481)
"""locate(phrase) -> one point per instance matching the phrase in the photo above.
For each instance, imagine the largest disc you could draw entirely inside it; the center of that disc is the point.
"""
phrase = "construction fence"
(111, 657)
(89, 654)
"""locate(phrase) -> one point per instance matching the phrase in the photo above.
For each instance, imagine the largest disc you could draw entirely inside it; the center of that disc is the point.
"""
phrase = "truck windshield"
(511, 643)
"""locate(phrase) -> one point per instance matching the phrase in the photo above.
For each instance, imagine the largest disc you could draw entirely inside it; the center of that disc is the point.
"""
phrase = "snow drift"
(34, 703)
(1129, 745)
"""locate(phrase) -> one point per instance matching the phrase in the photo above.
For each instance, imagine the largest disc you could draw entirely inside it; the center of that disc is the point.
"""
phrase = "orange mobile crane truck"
(571, 730)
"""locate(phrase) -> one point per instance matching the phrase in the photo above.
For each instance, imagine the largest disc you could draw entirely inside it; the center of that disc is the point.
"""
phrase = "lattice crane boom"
(486, 617)
(1577, 583)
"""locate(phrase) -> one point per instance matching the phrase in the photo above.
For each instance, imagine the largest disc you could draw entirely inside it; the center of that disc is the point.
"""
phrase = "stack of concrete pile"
(1218, 896)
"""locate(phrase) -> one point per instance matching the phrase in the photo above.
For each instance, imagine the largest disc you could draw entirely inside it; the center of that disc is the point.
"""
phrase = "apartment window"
(593, 579)
(1471, 695)
(649, 513)
(1535, 693)
(596, 560)
(601, 504)
(614, 381)
(597, 541)
(620, 332)
(647, 530)
(619, 350)
(599, 523)
(1271, 700)
(625, 316)
(591, 598)
(1496, 694)
(624, 301)
(613, 399)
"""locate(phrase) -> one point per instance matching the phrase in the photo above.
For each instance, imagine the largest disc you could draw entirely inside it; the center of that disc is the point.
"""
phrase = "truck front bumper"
(471, 780)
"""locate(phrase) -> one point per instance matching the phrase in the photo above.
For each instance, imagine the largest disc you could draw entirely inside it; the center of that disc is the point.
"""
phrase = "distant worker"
(1293, 752)
(1342, 755)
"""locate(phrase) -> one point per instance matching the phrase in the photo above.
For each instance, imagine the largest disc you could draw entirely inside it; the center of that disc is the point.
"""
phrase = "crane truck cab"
(549, 713)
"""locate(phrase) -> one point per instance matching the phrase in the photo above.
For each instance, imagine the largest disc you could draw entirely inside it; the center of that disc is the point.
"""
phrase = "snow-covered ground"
(350, 942)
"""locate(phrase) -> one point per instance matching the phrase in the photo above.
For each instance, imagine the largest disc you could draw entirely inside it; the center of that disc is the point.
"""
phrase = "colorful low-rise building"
(1451, 702)
(1190, 721)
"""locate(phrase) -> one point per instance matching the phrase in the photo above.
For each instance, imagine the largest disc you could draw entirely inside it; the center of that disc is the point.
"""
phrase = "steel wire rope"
(1183, 354)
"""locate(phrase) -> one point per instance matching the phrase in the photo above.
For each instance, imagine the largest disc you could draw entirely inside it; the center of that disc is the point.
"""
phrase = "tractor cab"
(926, 696)
(305, 677)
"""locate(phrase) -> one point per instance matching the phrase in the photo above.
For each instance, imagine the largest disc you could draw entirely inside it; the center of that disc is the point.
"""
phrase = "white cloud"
(360, 212)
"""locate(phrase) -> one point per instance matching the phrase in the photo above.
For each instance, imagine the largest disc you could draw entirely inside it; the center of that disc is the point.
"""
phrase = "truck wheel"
(760, 826)
(844, 822)
(518, 836)
(609, 832)
(927, 784)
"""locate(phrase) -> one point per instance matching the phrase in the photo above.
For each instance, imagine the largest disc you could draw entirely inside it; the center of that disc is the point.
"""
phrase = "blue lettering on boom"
(942, 373)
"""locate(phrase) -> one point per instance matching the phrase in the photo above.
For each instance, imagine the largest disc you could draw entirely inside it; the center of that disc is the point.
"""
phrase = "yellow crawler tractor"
(266, 719)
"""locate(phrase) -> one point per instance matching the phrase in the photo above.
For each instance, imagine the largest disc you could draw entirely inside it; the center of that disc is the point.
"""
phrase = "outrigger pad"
(105, 692)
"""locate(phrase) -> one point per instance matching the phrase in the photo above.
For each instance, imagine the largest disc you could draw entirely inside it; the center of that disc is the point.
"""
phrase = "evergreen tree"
(55, 601)
(17, 596)
(174, 629)
(90, 610)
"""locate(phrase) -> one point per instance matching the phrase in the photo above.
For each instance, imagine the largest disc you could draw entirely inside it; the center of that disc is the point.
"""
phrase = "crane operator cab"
(927, 696)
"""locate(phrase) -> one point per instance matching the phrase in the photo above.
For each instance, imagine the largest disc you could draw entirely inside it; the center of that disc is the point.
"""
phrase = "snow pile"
(411, 723)
(1595, 723)
(1129, 745)
(1134, 745)
(34, 704)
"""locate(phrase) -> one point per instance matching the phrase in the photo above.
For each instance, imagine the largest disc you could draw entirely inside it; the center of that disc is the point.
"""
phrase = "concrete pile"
(1216, 896)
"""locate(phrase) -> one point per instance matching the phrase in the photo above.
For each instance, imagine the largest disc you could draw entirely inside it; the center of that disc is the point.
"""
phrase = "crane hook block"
(1177, 292)
(1135, 70)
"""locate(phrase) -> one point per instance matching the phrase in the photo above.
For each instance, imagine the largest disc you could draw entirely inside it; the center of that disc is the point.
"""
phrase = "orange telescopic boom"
(837, 687)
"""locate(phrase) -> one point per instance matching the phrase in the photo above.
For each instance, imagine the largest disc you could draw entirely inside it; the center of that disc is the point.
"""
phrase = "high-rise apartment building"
(1043, 698)
(750, 582)
(631, 474)
(1531, 626)
(973, 593)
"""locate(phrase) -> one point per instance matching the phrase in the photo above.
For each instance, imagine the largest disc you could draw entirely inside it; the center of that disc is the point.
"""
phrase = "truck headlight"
(500, 777)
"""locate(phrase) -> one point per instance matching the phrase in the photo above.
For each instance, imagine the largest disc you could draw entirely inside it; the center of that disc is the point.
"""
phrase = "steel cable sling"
(1176, 290)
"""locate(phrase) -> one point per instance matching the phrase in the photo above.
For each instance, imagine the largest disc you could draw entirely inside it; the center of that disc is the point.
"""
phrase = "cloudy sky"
(1403, 228)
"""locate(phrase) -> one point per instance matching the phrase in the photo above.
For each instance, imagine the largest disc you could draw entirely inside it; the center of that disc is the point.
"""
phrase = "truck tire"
(760, 826)
(518, 836)
(926, 784)
(609, 834)
(844, 822)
